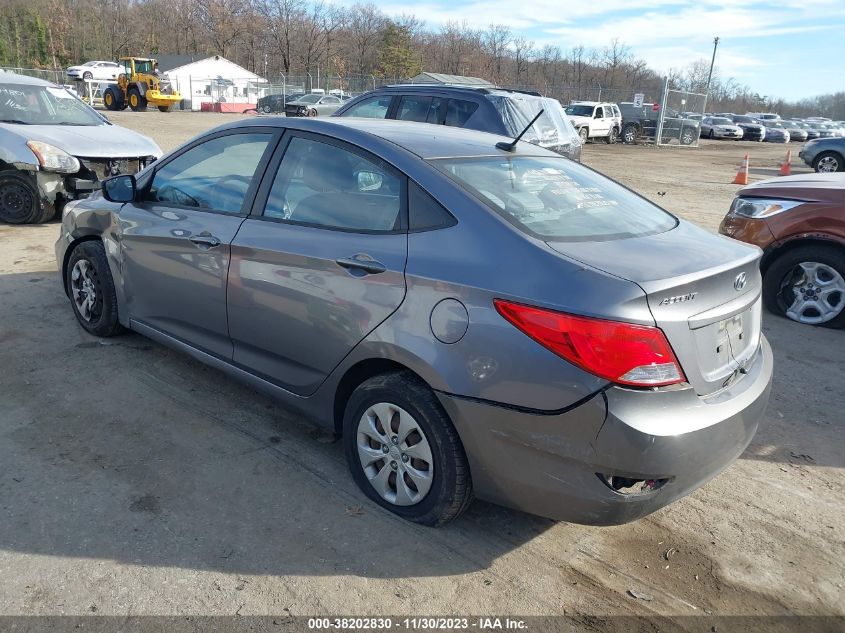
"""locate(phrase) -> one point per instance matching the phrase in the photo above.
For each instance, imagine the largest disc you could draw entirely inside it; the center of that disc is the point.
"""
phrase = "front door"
(601, 125)
(175, 242)
(319, 264)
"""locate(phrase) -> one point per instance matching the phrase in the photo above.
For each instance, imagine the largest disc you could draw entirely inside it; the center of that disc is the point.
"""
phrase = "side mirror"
(119, 188)
(369, 180)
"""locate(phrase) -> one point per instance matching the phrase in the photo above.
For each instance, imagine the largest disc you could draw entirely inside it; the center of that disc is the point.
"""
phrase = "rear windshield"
(556, 199)
(721, 121)
(552, 130)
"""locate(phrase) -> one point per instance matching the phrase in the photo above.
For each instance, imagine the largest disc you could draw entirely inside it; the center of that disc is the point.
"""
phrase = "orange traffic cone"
(742, 174)
(786, 166)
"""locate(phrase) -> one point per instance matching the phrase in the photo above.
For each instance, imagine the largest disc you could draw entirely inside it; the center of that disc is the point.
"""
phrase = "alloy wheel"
(813, 293)
(828, 164)
(85, 293)
(395, 454)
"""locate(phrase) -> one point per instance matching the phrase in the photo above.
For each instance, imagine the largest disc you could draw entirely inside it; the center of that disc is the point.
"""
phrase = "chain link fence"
(680, 118)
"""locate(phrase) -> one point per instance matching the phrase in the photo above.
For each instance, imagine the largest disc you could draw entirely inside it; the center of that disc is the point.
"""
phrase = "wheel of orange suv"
(403, 451)
(807, 285)
(91, 289)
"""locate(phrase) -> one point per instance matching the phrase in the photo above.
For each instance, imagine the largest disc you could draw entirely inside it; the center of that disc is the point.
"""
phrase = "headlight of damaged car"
(761, 208)
(52, 158)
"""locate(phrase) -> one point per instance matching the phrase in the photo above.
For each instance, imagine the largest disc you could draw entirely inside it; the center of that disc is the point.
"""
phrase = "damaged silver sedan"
(55, 148)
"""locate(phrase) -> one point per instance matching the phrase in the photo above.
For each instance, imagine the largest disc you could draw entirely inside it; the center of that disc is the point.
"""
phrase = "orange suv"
(799, 222)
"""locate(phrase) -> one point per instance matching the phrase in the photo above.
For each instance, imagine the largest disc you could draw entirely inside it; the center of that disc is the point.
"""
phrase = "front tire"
(688, 137)
(403, 451)
(266, 109)
(91, 289)
(136, 101)
(20, 202)
(584, 135)
(828, 162)
(612, 136)
(807, 285)
(164, 108)
(629, 134)
(312, 112)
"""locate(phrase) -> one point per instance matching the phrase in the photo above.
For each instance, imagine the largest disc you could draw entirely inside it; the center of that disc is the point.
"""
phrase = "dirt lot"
(134, 480)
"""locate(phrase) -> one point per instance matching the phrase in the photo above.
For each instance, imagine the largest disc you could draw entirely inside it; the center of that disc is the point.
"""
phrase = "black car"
(752, 130)
(640, 122)
(276, 103)
(488, 109)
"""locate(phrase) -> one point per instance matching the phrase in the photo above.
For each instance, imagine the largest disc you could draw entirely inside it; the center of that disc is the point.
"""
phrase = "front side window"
(215, 175)
(327, 186)
(557, 199)
(372, 108)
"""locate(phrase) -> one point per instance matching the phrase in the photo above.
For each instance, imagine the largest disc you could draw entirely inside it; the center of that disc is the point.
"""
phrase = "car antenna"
(509, 147)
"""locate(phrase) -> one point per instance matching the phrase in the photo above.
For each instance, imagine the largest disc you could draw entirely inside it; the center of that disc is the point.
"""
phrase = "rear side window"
(372, 108)
(419, 108)
(459, 111)
(327, 186)
(426, 214)
(557, 199)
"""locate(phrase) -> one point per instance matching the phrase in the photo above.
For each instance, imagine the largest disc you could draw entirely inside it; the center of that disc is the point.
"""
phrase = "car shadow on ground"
(122, 449)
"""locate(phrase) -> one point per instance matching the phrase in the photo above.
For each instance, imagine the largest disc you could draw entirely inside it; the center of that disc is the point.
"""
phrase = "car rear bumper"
(556, 464)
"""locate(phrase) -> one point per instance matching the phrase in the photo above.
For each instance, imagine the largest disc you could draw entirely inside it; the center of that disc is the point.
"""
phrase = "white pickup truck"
(593, 120)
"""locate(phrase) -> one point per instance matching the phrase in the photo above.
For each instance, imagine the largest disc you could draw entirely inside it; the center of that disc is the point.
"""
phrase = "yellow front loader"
(139, 86)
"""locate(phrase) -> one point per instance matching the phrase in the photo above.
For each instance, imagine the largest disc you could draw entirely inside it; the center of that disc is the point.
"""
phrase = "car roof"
(7, 77)
(480, 90)
(426, 140)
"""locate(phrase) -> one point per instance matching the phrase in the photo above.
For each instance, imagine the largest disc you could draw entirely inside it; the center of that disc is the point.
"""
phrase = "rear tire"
(164, 108)
(88, 277)
(781, 283)
(409, 404)
(111, 100)
(829, 162)
(688, 137)
(20, 202)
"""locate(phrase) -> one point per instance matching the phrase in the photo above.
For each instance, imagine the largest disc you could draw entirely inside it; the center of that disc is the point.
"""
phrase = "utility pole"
(712, 62)
(710, 74)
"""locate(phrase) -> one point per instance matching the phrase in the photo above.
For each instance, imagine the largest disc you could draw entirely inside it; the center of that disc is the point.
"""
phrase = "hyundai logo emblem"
(739, 282)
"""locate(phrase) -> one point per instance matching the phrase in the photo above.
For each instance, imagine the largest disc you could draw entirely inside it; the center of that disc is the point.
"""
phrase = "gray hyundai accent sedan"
(473, 321)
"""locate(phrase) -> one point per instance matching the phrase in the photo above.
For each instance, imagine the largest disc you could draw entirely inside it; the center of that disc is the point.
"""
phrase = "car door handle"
(209, 241)
(367, 265)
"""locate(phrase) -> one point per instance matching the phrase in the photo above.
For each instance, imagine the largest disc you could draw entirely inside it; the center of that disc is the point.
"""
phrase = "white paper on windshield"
(60, 93)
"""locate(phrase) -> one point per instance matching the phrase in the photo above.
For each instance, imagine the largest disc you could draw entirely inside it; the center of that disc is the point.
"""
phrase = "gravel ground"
(135, 481)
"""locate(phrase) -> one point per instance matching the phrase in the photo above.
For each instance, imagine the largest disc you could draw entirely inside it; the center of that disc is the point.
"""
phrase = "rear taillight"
(620, 352)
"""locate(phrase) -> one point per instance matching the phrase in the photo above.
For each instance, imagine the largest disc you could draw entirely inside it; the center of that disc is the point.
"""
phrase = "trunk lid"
(703, 291)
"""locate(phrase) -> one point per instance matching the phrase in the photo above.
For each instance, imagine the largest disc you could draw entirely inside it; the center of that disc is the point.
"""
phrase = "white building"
(217, 80)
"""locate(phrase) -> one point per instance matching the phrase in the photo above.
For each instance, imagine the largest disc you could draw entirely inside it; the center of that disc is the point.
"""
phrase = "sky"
(788, 48)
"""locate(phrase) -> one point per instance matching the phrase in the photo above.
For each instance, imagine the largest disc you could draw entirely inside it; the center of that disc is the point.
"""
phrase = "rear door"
(175, 242)
(320, 262)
